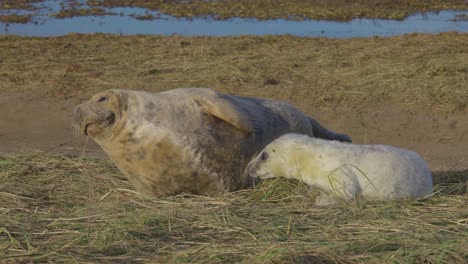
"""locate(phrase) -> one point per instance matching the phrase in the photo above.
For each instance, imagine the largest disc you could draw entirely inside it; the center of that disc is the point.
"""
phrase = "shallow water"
(122, 23)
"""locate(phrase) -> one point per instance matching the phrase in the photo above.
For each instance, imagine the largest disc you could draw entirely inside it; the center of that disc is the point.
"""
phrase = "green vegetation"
(67, 209)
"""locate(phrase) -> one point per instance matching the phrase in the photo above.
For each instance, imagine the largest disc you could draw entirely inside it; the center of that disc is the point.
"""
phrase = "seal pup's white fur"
(344, 170)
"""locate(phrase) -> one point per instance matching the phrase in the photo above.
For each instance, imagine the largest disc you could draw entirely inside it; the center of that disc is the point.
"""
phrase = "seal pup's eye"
(264, 156)
(102, 99)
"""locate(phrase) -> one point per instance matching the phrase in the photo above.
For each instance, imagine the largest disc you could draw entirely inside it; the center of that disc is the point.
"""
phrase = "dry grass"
(73, 12)
(13, 18)
(461, 17)
(263, 9)
(428, 71)
(63, 209)
(291, 9)
(21, 4)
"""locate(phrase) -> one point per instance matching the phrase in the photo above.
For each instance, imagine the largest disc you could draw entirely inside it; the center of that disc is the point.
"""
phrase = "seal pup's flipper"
(216, 105)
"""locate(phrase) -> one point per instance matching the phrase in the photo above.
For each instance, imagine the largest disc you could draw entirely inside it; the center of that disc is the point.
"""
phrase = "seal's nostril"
(77, 113)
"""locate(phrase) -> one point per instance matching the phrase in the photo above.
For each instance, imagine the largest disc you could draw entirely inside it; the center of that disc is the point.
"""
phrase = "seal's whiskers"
(84, 149)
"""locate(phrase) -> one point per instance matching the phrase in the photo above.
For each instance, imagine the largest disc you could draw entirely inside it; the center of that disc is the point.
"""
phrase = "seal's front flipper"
(216, 105)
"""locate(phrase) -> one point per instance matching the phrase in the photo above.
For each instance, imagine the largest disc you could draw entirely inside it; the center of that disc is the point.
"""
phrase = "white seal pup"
(192, 140)
(343, 170)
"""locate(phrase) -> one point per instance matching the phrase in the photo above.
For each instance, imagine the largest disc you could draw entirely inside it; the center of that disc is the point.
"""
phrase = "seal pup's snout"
(259, 168)
(252, 169)
(249, 170)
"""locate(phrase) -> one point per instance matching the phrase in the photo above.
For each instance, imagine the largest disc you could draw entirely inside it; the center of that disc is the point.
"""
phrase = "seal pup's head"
(99, 116)
(283, 157)
(270, 162)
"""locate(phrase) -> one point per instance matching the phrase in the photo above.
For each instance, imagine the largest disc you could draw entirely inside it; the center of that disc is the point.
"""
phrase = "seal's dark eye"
(102, 99)
(264, 156)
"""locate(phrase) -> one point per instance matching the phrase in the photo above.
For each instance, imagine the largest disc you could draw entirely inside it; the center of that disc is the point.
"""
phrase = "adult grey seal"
(192, 140)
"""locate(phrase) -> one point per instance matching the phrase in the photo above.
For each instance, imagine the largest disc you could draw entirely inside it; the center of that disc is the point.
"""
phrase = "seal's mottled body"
(192, 140)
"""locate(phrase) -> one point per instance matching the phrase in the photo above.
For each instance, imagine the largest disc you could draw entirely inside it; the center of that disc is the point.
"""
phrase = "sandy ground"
(31, 123)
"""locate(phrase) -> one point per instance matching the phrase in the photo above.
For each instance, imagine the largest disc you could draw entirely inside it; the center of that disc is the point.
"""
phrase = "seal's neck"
(301, 165)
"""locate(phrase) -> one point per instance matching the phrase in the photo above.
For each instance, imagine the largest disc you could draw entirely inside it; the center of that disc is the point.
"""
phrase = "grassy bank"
(291, 9)
(260, 9)
(418, 69)
(64, 209)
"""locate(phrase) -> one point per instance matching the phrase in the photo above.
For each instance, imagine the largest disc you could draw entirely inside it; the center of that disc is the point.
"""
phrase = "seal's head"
(257, 167)
(99, 116)
(269, 163)
(283, 157)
